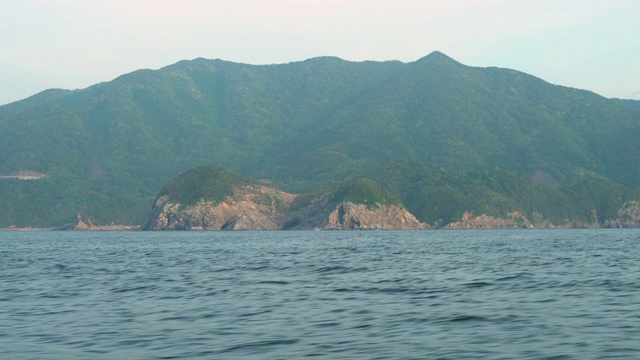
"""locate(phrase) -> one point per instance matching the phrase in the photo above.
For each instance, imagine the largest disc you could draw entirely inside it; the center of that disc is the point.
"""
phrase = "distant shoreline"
(10, 228)
(94, 228)
(138, 228)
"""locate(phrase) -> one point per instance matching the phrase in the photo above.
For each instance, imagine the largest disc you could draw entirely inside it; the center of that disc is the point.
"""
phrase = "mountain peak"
(437, 57)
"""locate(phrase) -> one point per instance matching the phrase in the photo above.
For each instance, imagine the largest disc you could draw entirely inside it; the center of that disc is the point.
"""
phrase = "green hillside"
(305, 125)
(439, 196)
(364, 191)
(436, 196)
(206, 182)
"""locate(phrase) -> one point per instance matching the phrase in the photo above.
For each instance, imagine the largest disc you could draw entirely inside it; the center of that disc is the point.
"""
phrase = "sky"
(72, 44)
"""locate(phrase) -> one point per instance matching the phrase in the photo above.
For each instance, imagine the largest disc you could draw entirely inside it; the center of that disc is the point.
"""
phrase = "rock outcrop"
(212, 198)
(483, 221)
(348, 215)
(89, 225)
(259, 208)
(323, 214)
(81, 225)
(249, 215)
(628, 216)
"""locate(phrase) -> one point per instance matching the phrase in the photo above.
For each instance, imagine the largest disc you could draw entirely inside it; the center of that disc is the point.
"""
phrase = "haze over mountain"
(109, 148)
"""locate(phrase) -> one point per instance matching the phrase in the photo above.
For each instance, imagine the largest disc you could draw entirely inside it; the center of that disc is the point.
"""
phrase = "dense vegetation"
(473, 136)
(364, 191)
(207, 182)
(439, 196)
(436, 196)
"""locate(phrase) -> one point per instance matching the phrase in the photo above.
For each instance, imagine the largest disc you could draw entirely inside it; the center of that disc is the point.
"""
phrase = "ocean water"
(516, 294)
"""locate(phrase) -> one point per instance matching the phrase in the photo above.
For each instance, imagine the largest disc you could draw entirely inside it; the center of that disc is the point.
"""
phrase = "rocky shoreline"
(321, 214)
(248, 214)
(80, 225)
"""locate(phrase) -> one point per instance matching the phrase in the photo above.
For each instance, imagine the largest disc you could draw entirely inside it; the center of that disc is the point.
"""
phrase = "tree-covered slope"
(443, 113)
(302, 125)
(212, 198)
(207, 183)
(439, 196)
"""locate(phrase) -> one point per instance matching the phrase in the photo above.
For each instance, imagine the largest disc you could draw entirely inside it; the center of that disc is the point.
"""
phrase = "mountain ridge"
(302, 125)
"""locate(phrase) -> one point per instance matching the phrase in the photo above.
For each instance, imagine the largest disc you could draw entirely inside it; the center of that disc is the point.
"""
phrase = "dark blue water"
(518, 294)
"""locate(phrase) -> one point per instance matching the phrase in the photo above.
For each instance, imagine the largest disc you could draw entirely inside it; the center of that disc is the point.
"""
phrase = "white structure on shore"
(24, 175)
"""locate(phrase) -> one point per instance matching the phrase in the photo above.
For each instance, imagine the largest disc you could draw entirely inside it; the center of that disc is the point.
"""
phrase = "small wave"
(326, 324)
(409, 290)
(477, 284)
(260, 344)
(177, 318)
(545, 300)
(273, 282)
(338, 311)
(362, 326)
(345, 290)
(337, 270)
(362, 312)
(467, 318)
(514, 276)
(135, 288)
(62, 295)
(255, 268)
(250, 314)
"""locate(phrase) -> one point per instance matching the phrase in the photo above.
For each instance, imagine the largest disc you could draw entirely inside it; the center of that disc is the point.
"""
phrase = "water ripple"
(522, 294)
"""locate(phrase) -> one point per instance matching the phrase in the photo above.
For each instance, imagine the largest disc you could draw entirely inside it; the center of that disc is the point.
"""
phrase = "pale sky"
(71, 44)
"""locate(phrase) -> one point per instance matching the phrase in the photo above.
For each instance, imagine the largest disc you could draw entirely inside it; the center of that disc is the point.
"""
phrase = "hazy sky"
(70, 44)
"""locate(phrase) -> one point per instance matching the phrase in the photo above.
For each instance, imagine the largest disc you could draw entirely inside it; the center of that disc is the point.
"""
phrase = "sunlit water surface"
(517, 294)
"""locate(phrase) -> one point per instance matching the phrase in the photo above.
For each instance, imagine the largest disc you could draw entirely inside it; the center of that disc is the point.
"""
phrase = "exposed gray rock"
(483, 221)
(248, 214)
(347, 216)
(628, 216)
(260, 207)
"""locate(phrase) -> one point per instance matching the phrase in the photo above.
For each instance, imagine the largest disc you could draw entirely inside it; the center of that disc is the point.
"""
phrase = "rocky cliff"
(348, 215)
(252, 212)
(322, 213)
(259, 208)
(211, 198)
(628, 216)
(470, 221)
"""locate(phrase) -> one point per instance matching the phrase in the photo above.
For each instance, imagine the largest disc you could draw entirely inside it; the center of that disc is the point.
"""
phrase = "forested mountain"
(107, 149)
